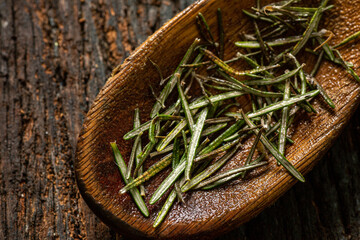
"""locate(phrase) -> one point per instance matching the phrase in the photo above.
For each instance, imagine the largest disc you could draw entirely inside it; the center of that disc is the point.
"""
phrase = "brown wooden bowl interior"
(206, 213)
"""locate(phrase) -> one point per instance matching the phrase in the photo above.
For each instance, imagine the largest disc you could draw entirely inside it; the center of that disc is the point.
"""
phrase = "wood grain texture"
(54, 58)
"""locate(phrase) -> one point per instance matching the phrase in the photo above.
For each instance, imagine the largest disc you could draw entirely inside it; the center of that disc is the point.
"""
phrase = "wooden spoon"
(205, 214)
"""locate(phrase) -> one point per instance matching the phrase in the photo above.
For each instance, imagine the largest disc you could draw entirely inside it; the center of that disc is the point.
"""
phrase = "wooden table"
(54, 58)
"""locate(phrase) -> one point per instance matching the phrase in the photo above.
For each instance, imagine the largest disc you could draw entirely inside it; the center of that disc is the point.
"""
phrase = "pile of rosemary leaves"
(196, 135)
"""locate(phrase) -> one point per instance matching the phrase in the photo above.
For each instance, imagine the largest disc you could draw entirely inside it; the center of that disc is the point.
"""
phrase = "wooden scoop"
(205, 214)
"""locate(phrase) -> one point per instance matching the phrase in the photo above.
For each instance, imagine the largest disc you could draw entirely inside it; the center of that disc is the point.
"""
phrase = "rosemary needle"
(135, 148)
(275, 152)
(138, 150)
(209, 170)
(144, 155)
(169, 180)
(271, 81)
(232, 71)
(228, 173)
(176, 152)
(167, 205)
(216, 98)
(134, 192)
(301, 73)
(145, 126)
(165, 208)
(173, 133)
(134, 151)
(231, 174)
(348, 39)
(194, 142)
(154, 169)
(228, 132)
(184, 103)
(312, 25)
(245, 88)
(252, 150)
(213, 128)
(284, 120)
(277, 105)
(172, 81)
(275, 43)
(326, 97)
(216, 151)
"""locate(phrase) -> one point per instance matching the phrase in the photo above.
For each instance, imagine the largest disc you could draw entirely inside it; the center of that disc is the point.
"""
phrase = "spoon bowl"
(205, 214)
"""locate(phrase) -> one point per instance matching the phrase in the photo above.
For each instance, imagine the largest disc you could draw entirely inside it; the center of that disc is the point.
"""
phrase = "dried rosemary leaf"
(194, 142)
(133, 192)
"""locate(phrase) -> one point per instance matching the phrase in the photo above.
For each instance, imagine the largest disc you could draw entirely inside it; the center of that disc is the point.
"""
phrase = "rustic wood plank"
(54, 58)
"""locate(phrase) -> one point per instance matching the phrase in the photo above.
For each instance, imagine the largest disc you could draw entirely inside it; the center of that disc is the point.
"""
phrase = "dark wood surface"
(54, 58)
